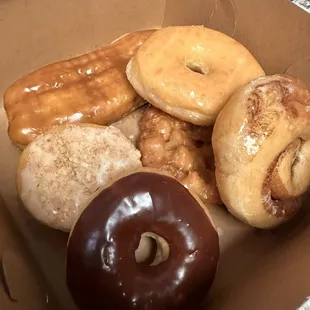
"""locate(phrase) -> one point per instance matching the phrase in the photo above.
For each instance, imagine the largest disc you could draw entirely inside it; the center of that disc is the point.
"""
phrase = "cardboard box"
(258, 269)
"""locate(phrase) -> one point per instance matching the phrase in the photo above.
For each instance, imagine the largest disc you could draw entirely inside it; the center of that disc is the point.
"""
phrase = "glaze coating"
(182, 149)
(92, 88)
(102, 272)
(186, 71)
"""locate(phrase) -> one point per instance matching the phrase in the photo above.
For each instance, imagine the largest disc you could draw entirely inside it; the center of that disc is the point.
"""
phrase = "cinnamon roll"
(261, 142)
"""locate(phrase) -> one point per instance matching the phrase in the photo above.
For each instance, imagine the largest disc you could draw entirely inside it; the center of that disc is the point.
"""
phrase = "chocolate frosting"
(102, 272)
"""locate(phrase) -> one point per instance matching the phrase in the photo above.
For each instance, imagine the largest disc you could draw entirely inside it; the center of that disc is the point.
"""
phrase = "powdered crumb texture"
(65, 168)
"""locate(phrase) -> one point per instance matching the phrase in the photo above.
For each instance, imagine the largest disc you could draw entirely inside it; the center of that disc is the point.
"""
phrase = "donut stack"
(215, 131)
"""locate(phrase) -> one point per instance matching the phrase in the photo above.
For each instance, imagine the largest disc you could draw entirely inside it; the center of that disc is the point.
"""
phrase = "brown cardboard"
(21, 282)
(258, 269)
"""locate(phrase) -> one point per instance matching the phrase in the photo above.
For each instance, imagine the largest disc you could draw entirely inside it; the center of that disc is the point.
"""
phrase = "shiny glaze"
(92, 88)
(186, 71)
(101, 269)
(182, 149)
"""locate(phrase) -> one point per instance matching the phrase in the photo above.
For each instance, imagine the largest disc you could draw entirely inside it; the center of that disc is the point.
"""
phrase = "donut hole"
(196, 68)
(152, 249)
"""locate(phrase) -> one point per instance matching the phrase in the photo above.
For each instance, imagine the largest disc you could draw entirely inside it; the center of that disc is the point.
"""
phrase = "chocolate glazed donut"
(102, 272)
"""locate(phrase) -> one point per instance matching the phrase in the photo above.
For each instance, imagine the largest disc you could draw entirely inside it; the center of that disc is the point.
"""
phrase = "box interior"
(258, 269)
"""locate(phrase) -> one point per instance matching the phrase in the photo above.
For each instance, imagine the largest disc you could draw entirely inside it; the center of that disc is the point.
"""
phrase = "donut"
(180, 148)
(91, 88)
(130, 124)
(261, 144)
(190, 72)
(63, 168)
(101, 269)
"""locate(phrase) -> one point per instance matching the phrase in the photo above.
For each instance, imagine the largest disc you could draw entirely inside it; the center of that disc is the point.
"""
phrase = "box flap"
(184, 12)
(67, 28)
(277, 32)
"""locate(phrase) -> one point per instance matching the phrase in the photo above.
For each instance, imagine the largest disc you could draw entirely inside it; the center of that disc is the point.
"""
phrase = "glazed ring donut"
(101, 269)
(261, 143)
(190, 72)
(180, 148)
(61, 169)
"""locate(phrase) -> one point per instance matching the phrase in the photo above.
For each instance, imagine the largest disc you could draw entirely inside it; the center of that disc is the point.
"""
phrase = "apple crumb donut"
(180, 148)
